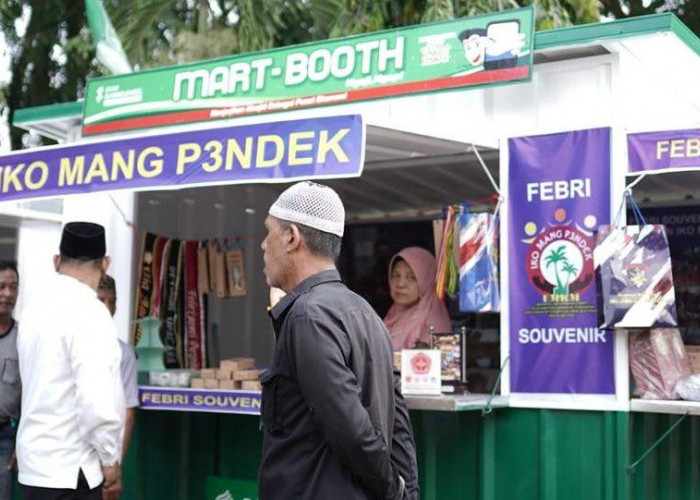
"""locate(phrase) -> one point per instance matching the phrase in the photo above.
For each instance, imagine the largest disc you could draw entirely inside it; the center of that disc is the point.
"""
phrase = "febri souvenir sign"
(328, 147)
(184, 399)
(659, 152)
(558, 195)
(478, 50)
(421, 371)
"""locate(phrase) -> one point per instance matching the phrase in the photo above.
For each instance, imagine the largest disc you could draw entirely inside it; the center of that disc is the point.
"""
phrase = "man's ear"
(294, 239)
(106, 261)
(56, 262)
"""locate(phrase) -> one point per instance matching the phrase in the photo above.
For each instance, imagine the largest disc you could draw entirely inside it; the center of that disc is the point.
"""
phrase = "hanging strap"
(494, 221)
(486, 169)
(641, 221)
(638, 216)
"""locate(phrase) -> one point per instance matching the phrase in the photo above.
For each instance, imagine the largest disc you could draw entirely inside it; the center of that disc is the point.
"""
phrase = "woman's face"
(403, 285)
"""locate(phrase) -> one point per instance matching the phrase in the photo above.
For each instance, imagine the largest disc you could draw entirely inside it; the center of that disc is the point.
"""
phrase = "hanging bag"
(478, 271)
(633, 266)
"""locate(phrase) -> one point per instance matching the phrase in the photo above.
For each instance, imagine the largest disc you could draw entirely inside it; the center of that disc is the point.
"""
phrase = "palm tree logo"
(557, 258)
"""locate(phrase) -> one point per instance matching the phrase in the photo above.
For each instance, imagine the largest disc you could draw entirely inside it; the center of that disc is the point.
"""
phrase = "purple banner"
(670, 151)
(207, 400)
(329, 147)
(559, 193)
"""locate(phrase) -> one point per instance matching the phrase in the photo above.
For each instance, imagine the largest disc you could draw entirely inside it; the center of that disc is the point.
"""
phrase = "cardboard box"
(211, 383)
(229, 385)
(224, 374)
(197, 383)
(693, 352)
(251, 385)
(247, 375)
(208, 373)
(237, 364)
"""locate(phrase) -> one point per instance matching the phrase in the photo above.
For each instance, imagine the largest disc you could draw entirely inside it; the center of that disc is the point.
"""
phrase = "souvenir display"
(658, 361)
(478, 271)
(635, 282)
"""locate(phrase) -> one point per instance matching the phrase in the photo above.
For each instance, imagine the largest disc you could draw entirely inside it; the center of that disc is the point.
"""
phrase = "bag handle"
(638, 217)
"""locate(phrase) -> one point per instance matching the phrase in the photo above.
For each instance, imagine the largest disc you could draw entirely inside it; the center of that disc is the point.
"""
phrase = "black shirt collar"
(302, 288)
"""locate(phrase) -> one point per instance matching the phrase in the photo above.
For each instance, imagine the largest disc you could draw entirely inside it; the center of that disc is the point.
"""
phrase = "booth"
(553, 413)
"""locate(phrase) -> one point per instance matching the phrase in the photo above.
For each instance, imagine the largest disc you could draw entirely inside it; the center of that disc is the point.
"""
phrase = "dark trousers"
(83, 492)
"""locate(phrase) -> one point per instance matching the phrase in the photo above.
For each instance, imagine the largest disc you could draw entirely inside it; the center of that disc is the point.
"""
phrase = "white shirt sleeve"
(128, 372)
(95, 356)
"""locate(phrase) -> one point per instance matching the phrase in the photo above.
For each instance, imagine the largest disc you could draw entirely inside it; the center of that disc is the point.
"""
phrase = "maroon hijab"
(408, 325)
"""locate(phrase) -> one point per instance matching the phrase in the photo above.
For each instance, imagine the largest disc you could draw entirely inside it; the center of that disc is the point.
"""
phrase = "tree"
(554, 258)
(687, 10)
(50, 60)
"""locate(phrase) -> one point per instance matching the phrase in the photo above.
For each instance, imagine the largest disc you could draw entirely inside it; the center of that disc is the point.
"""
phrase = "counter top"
(662, 406)
(454, 402)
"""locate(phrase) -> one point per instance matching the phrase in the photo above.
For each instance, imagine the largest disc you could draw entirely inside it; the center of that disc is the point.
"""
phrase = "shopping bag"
(635, 283)
(478, 271)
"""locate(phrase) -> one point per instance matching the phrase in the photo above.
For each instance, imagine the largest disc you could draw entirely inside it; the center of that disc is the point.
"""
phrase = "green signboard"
(474, 51)
(223, 488)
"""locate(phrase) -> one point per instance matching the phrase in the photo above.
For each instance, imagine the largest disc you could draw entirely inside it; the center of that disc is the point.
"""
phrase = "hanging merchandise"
(447, 254)
(171, 327)
(220, 272)
(194, 345)
(157, 267)
(235, 272)
(212, 250)
(658, 361)
(202, 267)
(478, 271)
(635, 280)
(145, 284)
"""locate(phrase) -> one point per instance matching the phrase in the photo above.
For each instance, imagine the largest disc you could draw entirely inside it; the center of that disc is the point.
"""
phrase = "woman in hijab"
(416, 308)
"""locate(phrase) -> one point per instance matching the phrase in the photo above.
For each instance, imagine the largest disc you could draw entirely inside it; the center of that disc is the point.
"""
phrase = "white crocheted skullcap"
(313, 205)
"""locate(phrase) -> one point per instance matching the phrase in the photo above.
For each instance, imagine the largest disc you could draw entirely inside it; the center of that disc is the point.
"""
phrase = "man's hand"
(112, 487)
(12, 464)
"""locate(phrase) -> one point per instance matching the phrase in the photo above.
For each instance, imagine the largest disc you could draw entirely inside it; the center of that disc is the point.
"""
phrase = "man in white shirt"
(107, 293)
(69, 438)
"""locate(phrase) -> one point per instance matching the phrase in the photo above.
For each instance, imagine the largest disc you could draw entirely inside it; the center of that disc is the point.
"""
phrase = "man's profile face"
(108, 298)
(274, 255)
(9, 287)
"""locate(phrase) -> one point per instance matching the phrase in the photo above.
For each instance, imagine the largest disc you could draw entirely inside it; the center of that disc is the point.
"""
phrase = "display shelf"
(664, 406)
(449, 402)
(200, 400)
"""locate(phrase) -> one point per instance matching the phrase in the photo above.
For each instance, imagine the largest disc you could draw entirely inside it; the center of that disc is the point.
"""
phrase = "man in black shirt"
(335, 425)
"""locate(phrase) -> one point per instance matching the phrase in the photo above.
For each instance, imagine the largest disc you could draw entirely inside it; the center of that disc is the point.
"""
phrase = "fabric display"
(658, 362)
(144, 288)
(633, 264)
(171, 327)
(447, 246)
(195, 352)
(478, 271)
(175, 278)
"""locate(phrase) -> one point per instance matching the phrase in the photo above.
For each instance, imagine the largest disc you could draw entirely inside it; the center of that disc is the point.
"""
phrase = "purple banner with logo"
(559, 193)
(207, 400)
(330, 147)
(669, 151)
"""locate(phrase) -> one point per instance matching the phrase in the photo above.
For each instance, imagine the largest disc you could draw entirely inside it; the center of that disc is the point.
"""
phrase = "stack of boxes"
(232, 374)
